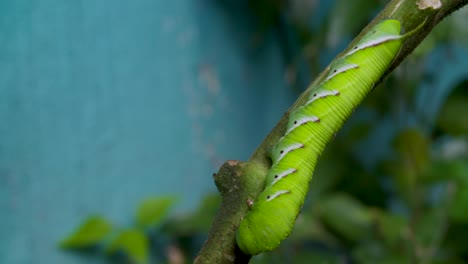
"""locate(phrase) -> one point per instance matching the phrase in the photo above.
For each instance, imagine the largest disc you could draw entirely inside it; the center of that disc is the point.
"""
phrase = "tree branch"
(241, 182)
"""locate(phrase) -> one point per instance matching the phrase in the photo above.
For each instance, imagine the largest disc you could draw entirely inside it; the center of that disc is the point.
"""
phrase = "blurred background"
(114, 115)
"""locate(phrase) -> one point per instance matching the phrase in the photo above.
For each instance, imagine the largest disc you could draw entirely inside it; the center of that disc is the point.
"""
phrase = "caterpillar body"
(311, 126)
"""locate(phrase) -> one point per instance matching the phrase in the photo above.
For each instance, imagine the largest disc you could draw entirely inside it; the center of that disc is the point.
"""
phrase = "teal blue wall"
(103, 103)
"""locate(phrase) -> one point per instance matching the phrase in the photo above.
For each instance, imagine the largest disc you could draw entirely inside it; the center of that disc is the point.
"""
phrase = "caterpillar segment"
(310, 128)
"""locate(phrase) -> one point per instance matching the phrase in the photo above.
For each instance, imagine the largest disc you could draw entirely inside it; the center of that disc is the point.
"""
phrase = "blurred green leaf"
(203, 216)
(456, 238)
(346, 216)
(298, 256)
(448, 260)
(197, 222)
(447, 170)
(327, 175)
(428, 226)
(374, 252)
(413, 147)
(453, 118)
(391, 227)
(152, 210)
(360, 184)
(134, 243)
(413, 158)
(92, 231)
(459, 206)
(308, 227)
(316, 256)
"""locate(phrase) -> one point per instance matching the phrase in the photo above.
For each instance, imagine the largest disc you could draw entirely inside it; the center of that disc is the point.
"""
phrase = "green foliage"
(154, 226)
(299, 258)
(133, 242)
(152, 210)
(92, 231)
(391, 228)
(411, 159)
(197, 222)
(374, 252)
(458, 210)
(453, 118)
(346, 216)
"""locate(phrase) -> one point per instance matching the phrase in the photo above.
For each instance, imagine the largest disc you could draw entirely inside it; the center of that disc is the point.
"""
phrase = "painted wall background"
(105, 103)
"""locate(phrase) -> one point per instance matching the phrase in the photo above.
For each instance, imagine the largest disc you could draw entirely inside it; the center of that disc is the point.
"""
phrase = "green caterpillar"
(311, 126)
